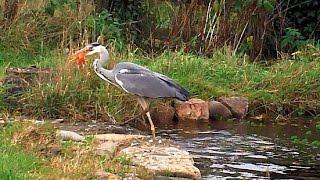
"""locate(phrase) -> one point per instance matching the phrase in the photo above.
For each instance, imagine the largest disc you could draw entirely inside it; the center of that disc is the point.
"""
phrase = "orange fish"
(79, 56)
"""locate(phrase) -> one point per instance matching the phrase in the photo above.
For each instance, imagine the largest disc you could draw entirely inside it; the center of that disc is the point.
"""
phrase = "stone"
(102, 175)
(53, 151)
(107, 148)
(110, 143)
(195, 109)
(162, 113)
(163, 160)
(168, 178)
(218, 111)
(70, 135)
(117, 137)
(237, 105)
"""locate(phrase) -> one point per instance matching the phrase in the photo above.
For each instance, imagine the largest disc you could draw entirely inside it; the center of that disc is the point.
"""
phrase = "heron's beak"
(79, 56)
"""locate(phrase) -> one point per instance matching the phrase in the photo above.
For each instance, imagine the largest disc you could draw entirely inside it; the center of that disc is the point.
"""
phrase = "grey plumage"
(140, 81)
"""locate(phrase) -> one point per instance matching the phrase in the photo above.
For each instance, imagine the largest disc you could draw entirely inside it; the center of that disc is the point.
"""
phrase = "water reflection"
(240, 150)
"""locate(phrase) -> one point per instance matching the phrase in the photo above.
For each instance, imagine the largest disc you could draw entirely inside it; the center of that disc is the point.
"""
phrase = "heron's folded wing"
(145, 84)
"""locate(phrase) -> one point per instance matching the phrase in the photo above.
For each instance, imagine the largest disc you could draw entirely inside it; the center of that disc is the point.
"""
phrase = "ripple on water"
(220, 154)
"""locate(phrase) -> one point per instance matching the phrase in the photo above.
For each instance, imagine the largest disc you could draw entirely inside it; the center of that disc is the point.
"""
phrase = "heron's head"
(90, 49)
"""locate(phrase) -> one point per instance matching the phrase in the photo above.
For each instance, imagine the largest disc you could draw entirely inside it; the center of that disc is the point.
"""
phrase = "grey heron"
(134, 79)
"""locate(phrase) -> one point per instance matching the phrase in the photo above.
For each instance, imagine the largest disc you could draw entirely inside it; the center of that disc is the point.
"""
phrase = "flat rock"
(218, 111)
(117, 137)
(237, 105)
(195, 109)
(163, 161)
(107, 148)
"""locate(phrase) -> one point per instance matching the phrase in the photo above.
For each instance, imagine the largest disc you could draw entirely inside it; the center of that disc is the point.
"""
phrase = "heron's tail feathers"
(180, 92)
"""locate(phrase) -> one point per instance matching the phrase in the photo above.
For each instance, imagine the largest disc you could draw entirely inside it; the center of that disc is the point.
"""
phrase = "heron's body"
(136, 80)
(140, 81)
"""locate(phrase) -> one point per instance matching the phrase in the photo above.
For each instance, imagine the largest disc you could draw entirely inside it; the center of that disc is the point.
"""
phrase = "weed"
(318, 127)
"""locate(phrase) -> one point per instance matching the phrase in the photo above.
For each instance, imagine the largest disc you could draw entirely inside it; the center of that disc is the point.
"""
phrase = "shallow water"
(238, 150)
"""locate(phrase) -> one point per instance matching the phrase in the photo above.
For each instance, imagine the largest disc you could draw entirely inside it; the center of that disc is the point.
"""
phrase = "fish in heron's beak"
(79, 56)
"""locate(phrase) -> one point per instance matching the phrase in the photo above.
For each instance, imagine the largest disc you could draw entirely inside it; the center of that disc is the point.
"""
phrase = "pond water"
(242, 150)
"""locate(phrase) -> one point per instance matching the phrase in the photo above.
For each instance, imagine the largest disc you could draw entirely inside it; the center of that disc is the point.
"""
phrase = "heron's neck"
(104, 57)
(100, 70)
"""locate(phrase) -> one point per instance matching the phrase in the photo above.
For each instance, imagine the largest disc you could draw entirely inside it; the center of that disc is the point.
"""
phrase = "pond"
(246, 150)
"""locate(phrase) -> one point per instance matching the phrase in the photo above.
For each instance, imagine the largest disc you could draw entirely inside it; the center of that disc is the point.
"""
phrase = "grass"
(14, 162)
(284, 87)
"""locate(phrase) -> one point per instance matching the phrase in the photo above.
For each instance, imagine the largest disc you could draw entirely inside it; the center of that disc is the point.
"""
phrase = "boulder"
(195, 109)
(162, 113)
(218, 111)
(163, 160)
(237, 105)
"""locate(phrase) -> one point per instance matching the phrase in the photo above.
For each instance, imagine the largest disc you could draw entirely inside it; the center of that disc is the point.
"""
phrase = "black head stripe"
(95, 44)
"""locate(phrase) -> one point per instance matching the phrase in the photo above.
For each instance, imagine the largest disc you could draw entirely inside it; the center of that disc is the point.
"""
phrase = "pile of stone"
(198, 109)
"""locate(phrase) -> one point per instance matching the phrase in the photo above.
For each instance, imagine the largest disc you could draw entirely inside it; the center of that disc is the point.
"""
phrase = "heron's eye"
(90, 48)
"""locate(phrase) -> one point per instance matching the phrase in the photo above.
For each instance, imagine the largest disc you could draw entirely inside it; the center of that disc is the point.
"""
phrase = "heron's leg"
(145, 106)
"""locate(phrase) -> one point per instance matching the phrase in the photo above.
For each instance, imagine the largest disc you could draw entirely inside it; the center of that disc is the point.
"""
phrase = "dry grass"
(56, 159)
(33, 29)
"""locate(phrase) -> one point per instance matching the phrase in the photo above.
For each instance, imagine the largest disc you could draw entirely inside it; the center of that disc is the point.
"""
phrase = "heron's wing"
(137, 69)
(147, 84)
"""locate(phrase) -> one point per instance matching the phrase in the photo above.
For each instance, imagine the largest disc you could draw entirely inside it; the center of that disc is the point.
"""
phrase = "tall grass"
(71, 92)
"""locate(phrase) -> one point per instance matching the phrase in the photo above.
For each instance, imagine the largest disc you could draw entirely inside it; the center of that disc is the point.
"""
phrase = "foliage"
(305, 142)
(318, 127)
(292, 40)
(58, 5)
(104, 24)
(303, 16)
(259, 28)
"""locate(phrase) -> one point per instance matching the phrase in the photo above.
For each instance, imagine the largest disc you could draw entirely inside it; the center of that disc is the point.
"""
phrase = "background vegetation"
(266, 50)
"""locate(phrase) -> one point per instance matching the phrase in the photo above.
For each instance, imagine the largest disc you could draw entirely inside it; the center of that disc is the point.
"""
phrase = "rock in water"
(237, 105)
(218, 111)
(162, 113)
(195, 109)
(163, 161)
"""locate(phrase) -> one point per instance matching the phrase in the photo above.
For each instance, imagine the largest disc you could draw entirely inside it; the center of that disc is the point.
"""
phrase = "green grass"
(14, 162)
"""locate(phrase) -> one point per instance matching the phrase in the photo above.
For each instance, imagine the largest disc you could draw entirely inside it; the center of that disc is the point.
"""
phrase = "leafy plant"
(54, 5)
(318, 127)
(104, 24)
(292, 39)
(268, 5)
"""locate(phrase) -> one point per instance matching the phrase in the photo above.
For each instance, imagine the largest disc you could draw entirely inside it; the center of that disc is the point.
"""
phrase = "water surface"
(238, 150)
